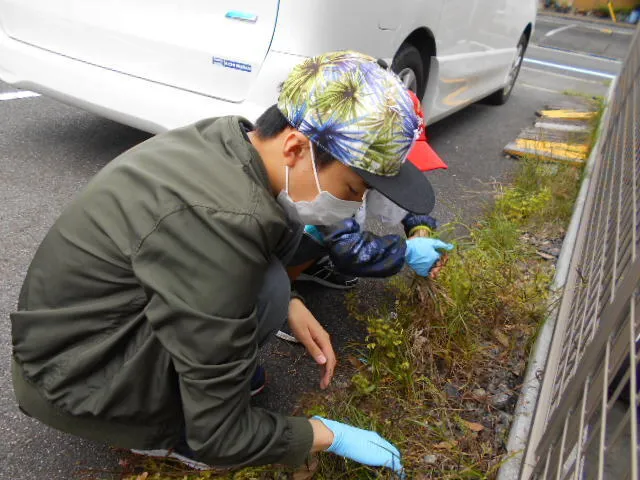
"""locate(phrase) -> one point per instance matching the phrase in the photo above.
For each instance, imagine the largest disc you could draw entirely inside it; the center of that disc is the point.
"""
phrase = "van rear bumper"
(138, 102)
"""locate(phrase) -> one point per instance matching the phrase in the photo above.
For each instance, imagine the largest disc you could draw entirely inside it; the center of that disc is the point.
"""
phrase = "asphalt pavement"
(48, 151)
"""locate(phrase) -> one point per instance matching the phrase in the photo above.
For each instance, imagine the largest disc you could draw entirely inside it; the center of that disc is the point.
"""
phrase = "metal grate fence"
(586, 421)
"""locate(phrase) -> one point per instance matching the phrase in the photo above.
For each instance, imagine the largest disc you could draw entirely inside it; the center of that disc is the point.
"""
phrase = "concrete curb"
(525, 408)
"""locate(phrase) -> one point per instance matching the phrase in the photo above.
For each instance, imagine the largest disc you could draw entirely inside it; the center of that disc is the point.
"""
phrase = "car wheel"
(501, 96)
(407, 64)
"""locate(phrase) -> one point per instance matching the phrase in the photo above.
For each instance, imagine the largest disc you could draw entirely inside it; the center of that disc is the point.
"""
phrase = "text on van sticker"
(223, 62)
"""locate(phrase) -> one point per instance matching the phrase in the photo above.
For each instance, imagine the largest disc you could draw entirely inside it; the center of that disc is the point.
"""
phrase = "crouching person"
(142, 312)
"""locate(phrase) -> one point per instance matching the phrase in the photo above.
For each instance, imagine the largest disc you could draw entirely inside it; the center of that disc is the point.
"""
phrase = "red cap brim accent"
(424, 157)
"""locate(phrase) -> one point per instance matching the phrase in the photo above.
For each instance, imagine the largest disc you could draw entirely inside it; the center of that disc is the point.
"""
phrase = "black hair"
(272, 122)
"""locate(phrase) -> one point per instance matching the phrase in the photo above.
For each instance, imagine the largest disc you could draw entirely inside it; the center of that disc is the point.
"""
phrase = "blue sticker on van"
(223, 62)
(242, 16)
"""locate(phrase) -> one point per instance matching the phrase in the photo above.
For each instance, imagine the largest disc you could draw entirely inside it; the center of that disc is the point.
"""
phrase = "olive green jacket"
(137, 319)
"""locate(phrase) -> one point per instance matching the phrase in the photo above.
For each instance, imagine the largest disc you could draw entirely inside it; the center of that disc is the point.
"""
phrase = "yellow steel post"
(611, 11)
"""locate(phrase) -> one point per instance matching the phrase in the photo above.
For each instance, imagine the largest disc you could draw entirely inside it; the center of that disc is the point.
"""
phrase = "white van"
(160, 64)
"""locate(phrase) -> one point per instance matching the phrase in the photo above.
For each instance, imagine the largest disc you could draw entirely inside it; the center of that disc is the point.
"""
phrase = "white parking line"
(560, 75)
(542, 89)
(560, 66)
(557, 30)
(15, 95)
(575, 54)
(535, 87)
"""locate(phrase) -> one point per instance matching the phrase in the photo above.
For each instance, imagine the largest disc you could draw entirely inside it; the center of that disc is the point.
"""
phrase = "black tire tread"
(409, 56)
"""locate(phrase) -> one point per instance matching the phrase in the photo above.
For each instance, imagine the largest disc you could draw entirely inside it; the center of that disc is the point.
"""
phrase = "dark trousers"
(273, 301)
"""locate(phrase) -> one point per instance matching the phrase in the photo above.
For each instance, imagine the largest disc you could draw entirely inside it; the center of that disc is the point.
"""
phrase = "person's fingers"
(301, 325)
(323, 340)
(329, 368)
(326, 360)
(395, 460)
(440, 245)
(387, 446)
(313, 348)
(316, 341)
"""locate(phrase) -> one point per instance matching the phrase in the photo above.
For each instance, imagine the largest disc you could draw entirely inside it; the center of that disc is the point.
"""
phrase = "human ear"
(294, 148)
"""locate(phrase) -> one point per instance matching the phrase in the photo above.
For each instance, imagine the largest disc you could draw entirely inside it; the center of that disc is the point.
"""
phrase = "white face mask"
(325, 208)
(379, 208)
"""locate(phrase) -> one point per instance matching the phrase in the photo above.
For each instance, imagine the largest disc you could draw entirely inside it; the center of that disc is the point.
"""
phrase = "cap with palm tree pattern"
(363, 116)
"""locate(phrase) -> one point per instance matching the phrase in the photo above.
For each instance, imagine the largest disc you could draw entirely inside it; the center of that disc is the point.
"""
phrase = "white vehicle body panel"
(171, 42)
(160, 64)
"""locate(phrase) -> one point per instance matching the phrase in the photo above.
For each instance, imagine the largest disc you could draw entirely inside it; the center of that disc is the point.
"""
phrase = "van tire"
(407, 64)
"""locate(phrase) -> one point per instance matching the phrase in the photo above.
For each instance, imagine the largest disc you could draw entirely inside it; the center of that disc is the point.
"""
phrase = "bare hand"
(310, 333)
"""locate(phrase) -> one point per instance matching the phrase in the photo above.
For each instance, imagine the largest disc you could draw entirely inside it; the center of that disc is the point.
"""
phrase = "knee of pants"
(273, 300)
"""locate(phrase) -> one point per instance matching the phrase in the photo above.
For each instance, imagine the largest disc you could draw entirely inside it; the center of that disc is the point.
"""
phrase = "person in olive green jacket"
(142, 312)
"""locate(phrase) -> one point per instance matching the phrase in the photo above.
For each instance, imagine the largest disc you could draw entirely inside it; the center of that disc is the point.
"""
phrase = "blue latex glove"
(363, 446)
(422, 254)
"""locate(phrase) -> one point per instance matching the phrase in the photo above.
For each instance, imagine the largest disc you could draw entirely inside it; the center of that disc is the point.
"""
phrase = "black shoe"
(258, 381)
(324, 273)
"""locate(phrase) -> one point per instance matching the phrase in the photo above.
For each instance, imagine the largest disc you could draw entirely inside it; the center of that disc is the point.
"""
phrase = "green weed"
(488, 302)
(541, 198)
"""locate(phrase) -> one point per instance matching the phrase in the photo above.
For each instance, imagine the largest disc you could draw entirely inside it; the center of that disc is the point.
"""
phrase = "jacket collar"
(239, 127)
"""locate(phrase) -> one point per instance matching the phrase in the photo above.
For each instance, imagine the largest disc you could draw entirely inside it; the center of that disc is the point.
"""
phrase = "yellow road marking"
(546, 156)
(567, 150)
(568, 114)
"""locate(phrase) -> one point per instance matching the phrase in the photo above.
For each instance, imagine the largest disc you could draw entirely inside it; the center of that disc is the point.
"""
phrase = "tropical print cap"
(354, 109)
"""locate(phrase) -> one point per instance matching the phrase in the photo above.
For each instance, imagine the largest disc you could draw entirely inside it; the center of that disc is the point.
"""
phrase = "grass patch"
(438, 373)
(541, 198)
(598, 103)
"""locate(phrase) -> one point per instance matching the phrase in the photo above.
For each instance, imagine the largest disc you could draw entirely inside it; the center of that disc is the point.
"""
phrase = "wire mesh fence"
(586, 421)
